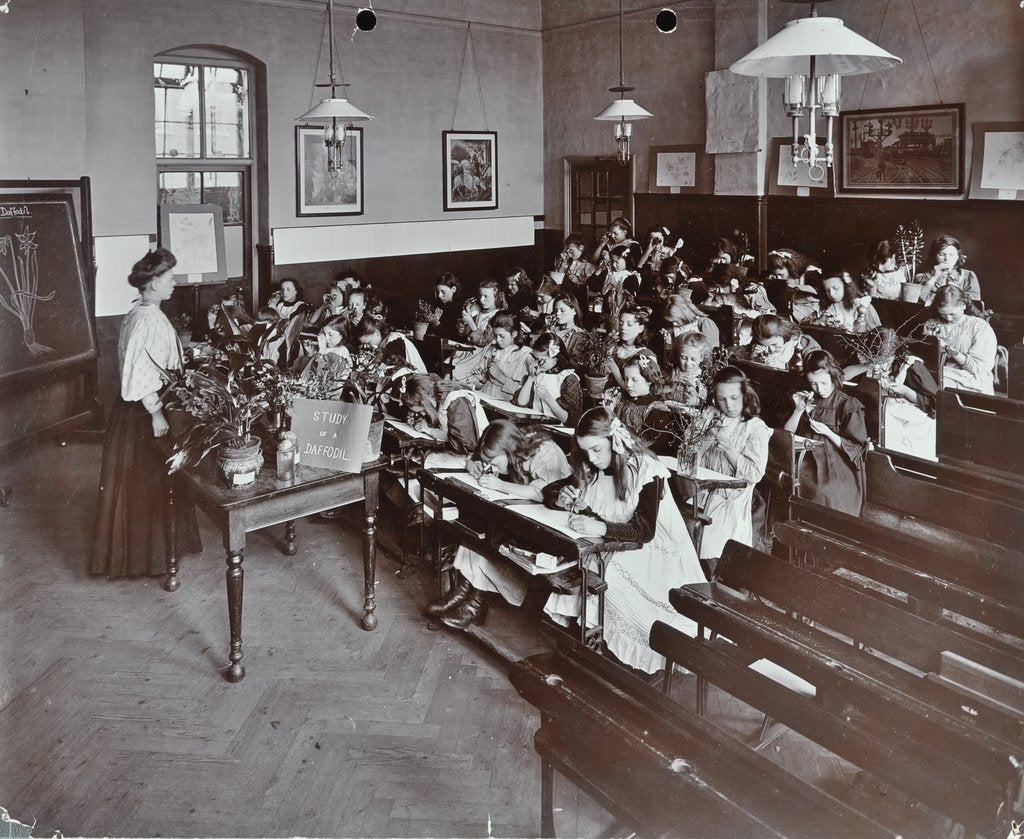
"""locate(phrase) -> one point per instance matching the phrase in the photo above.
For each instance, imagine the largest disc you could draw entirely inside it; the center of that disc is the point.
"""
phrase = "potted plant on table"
(594, 351)
(425, 315)
(224, 390)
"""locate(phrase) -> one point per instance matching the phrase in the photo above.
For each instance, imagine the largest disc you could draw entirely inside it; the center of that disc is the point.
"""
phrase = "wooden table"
(267, 502)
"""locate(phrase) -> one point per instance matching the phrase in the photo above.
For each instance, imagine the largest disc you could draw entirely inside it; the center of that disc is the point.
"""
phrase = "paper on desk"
(672, 464)
(489, 494)
(557, 519)
(405, 428)
(511, 408)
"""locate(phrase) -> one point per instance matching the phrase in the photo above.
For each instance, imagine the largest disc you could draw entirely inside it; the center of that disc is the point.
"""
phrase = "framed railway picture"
(903, 150)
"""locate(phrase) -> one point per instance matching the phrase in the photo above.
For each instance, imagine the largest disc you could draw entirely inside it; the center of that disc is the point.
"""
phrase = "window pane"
(234, 243)
(176, 98)
(227, 112)
(586, 219)
(601, 219)
(180, 188)
(602, 184)
(225, 188)
(585, 184)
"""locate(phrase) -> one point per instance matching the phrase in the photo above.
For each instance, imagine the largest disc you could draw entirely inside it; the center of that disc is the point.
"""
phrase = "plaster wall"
(962, 52)
(88, 68)
(581, 63)
(42, 91)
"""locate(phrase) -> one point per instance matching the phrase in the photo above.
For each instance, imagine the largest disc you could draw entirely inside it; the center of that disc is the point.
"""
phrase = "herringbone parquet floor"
(115, 720)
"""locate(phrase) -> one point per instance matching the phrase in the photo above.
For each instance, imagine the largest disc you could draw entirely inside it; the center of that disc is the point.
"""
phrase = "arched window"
(205, 105)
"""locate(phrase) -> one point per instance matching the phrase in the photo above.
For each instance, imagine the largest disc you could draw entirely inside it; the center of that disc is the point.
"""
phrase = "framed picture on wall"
(787, 178)
(681, 169)
(194, 233)
(902, 150)
(997, 165)
(470, 165)
(319, 192)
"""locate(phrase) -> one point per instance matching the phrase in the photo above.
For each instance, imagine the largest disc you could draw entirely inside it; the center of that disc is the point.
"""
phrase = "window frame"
(245, 165)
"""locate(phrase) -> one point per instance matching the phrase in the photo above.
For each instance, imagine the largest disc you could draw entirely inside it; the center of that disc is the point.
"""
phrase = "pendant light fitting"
(622, 111)
(334, 111)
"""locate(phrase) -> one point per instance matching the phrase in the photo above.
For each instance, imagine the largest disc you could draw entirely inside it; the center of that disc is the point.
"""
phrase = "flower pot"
(419, 330)
(911, 292)
(595, 384)
(240, 464)
(686, 463)
(374, 437)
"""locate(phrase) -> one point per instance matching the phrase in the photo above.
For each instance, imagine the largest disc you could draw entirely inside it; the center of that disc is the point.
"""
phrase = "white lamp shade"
(623, 109)
(330, 108)
(836, 50)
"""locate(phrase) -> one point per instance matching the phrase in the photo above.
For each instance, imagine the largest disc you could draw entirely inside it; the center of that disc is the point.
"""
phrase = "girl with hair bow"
(619, 490)
(552, 385)
(639, 404)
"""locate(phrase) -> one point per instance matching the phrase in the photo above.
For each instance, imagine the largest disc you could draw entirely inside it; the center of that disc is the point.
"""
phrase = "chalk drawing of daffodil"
(26, 240)
(19, 285)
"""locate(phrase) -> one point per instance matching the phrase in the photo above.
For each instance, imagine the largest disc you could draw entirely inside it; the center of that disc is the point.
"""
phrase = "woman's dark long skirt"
(131, 527)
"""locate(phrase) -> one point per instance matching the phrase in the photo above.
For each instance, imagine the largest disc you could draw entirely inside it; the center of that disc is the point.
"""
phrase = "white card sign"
(331, 434)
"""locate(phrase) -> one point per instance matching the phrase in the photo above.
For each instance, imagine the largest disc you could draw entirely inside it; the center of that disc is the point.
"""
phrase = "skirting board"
(293, 245)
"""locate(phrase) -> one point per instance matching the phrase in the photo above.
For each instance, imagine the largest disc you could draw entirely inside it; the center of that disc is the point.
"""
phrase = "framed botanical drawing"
(470, 165)
(195, 234)
(997, 163)
(903, 150)
(787, 178)
(681, 169)
(319, 192)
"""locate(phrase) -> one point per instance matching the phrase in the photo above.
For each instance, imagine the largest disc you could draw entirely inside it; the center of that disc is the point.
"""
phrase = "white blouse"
(146, 344)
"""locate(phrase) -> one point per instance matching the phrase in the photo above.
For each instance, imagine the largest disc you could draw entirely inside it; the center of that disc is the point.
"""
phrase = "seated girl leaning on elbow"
(446, 411)
(520, 463)
(738, 447)
(619, 490)
(503, 366)
(552, 385)
(831, 475)
(843, 305)
(331, 365)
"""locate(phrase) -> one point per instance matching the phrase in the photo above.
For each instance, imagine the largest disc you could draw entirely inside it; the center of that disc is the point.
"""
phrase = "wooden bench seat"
(985, 588)
(876, 710)
(658, 768)
(980, 430)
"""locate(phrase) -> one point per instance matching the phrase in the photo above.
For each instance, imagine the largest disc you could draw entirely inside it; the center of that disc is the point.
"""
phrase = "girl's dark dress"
(833, 476)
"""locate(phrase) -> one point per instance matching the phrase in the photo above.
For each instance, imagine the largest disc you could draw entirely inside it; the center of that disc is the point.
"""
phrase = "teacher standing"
(131, 530)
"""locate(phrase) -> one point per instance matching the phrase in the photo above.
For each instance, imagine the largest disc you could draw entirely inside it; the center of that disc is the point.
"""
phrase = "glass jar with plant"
(692, 430)
(224, 390)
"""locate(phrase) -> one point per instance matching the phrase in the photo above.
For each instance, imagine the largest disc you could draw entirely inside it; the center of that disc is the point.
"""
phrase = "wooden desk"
(870, 705)
(502, 523)
(267, 502)
(660, 769)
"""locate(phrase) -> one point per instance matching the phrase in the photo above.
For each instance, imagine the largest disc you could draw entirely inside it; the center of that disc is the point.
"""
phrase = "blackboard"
(45, 322)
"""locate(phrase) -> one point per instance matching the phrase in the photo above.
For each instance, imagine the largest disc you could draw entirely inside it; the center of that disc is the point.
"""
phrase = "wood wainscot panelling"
(402, 279)
(841, 229)
(838, 231)
(700, 220)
